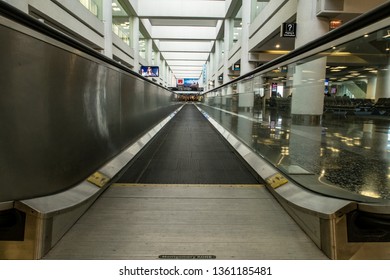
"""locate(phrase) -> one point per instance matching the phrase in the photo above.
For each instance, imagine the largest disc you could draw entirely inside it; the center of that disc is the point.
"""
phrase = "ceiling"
(183, 31)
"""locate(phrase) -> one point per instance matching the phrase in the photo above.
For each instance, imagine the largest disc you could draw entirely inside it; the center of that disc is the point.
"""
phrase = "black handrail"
(379, 13)
(14, 14)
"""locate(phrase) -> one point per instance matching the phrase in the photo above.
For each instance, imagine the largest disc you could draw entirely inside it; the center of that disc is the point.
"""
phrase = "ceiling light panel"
(185, 46)
(185, 56)
(186, 62)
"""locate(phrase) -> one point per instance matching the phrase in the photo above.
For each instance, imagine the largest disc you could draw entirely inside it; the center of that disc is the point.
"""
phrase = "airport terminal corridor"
(111, 150)
(186, 196)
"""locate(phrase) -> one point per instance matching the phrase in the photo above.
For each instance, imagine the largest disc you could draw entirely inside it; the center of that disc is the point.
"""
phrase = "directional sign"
(288, 29)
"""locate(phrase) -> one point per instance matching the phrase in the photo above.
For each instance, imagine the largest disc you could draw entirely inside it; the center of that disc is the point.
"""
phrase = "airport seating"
(339, 105)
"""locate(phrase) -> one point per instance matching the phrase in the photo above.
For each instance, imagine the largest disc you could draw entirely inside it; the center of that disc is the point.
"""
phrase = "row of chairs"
(357, 106)
(341, 105)
(338, 104)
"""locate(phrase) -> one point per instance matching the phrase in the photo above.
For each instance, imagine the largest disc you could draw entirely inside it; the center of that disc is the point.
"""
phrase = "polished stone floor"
(349, 152)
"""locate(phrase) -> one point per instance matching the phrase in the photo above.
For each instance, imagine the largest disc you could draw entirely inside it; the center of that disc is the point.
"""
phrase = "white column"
(107, 21)
(226, 90)
(162, 71)
(309, 78)
(217, 56)
(228, 32)
(309, 26)
(371, 88)
(246, 96)
(246, 21)
(245, 88)
(383, 82)
(158, 63)
(149, 50)
(309, 87)
(165, 72)
(211, 68)
(169, 80)
(135, 42)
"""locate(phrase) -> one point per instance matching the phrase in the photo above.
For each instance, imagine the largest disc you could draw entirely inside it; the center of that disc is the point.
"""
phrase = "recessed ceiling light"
(277, 46)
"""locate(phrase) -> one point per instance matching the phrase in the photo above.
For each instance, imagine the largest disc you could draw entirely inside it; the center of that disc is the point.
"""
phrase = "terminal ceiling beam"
(181, 9)
(185, 46)
(184, 32)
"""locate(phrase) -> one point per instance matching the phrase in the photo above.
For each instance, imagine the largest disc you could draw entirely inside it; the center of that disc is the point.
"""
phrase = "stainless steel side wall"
(63, 114)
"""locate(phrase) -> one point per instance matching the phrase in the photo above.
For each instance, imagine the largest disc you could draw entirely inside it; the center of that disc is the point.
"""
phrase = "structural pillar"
(246, 21)
(308, 92)
(383, 82)
(149, 51)
(212, 72)
(107, 21)
(228, 32)
(135, 42)
(158, 63)
(217, 57)
(209, 73)
(308, 78)
(245, 88)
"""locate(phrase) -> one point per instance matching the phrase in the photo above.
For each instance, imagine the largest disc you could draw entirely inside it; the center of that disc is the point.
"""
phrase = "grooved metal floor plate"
(147, 221)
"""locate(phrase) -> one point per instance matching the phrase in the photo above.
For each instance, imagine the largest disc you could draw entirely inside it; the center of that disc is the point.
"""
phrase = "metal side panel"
(48, 218)
(66, 113)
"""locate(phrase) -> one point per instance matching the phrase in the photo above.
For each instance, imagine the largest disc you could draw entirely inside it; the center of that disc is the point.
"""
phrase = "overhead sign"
(288, 29)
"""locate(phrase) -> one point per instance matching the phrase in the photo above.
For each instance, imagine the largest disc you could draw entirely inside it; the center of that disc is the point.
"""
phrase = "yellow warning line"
(127, 185)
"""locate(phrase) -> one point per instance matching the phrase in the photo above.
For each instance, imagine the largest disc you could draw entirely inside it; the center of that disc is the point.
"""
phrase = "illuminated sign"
(288, 30)
(149, 71)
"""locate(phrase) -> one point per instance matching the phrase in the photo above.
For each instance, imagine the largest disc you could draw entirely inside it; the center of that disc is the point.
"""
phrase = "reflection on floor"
(350, 152)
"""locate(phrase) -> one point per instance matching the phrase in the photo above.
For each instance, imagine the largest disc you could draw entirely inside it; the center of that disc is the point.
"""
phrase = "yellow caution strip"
(98, 179)
(276, 180)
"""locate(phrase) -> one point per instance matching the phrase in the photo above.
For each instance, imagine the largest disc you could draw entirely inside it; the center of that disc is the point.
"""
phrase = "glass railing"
(348, 153)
